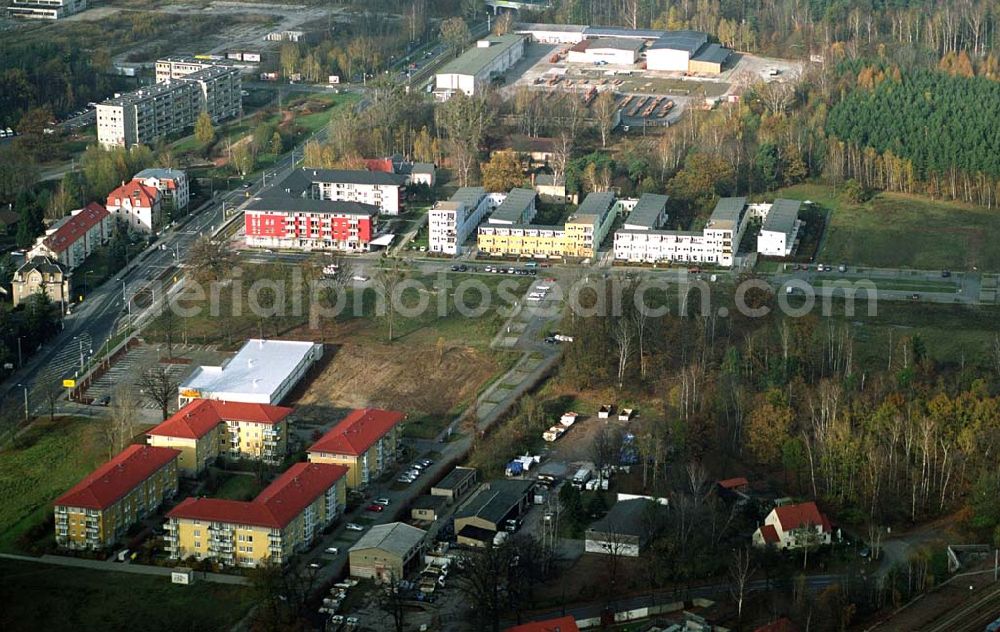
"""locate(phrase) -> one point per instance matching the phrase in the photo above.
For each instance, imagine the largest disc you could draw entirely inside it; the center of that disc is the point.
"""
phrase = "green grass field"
(902, 231)
(44, 597)
(40, 466)
(238, 487)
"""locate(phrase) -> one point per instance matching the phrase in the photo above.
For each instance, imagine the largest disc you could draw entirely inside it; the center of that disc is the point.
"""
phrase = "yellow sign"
(191, 393)
(69, 383)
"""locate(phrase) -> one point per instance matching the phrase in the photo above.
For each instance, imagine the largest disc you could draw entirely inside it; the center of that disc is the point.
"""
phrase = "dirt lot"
(420, 380)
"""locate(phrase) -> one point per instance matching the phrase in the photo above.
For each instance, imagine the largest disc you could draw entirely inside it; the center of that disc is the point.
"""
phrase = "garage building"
(709, 60)
(387, 552)
(485, 513)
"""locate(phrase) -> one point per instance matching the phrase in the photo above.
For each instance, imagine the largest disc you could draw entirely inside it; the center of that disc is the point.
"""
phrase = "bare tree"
(159, 386)
(388, 278)
(120, 426)
(210, 260)
(623, 334)
(390, 600)
(740, 573)
(605, 109)
(562, 154)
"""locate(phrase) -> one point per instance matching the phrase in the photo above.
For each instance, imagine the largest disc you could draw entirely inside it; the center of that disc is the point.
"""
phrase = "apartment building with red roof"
(136, 205)
(206, 429)
(73, 238)
(794, 526)
(284, 518)
(98, 510)
(365, 441)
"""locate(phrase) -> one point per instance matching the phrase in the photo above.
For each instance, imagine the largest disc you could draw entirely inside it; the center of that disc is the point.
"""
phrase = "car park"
(350, 526)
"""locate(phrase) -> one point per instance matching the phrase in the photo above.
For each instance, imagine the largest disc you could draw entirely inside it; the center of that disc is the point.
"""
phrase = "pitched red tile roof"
(75, 227)
(276, 506)
(380, 164)
(112, 481)
(200, 416)
(781, 625)
(562, 624)
(769, 533)
(732, 483)
(800, 515)
(140, 194)
(358, 431)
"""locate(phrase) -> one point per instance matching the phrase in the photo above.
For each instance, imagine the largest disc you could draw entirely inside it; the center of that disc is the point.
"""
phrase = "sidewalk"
(135, 569)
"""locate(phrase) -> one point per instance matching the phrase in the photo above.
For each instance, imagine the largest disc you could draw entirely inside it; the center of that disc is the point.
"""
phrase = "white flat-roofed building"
(261, 372)
(168, 68)
(451, 222)
(780, 228)
(618, 51)
(552, 33)
(715, 244)
(476, 67)
(45, 9)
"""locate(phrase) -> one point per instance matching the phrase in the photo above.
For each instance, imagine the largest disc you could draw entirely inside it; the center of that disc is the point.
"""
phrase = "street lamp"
(25, 400)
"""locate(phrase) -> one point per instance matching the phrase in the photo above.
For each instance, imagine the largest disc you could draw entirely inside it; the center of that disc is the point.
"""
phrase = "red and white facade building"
(137, 205)
(305, 224)
(71, 240)
(384, 190)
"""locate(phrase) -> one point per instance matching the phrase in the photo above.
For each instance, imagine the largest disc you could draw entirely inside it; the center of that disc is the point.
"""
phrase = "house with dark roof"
(794, 526)
(624, 530)
(205, 429)
(365, 442)
(414, 172)
(427, 508)
(486, 513)
(286, 517)
(73, 238)
(96, 512)
(378, 188)
(456, 484)
(40, 274)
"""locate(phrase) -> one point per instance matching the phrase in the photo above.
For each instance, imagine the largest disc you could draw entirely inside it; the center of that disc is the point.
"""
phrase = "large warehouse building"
(671, 51)
(478, 66)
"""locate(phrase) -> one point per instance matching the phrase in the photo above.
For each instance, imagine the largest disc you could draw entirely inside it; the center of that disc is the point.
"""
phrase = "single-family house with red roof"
(794, 526)
(365, 441)
(98, 510)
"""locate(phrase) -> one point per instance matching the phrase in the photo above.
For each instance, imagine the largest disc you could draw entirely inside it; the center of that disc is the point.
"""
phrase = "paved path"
(117, 567)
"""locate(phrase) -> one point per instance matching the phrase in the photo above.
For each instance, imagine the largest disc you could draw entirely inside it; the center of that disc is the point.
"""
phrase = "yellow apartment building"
(98, 510)
(284, 518)
(206, 429)
(365, 442)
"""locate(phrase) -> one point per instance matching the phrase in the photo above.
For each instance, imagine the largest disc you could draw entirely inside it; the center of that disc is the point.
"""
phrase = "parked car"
(375, 508)
(382, 501)
(350, 526)
(914, 297)
(332, 550)
(945, 274)
(315, 565)
(426, 462)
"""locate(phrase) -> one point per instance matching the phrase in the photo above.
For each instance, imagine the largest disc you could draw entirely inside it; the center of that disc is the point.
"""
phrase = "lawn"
(44, 597)
(903, 231)
(238, 486)
(951, 333)
(38, 467)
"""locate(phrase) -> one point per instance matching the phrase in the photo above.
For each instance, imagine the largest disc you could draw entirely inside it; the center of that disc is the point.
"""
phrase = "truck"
(581, 477)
